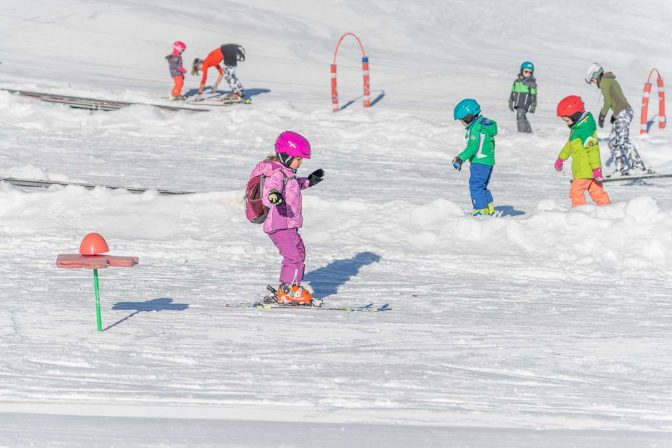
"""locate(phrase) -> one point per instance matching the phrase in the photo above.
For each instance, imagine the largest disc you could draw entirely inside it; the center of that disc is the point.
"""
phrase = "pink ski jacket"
(287, 215)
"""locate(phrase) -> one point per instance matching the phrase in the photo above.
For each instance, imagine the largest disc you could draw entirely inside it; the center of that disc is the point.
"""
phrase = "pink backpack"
(255, 211)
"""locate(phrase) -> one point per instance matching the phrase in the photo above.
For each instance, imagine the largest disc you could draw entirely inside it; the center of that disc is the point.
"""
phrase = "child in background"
(523, 97)
(282, 193)
(176, 69)
(480, 151)
(584, 150)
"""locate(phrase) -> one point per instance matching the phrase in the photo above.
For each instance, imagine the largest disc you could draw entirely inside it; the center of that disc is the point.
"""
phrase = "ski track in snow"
(546, 327)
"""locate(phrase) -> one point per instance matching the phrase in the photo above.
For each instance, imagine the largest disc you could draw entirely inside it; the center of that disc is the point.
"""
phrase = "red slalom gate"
(365, 70)
(644, 122)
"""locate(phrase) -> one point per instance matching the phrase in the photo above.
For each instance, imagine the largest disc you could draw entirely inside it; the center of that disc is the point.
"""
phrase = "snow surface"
(548, 327)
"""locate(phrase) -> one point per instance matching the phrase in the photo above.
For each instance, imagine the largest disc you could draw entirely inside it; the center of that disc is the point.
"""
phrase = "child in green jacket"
(523, 98)
(480, 151)
(584, 150)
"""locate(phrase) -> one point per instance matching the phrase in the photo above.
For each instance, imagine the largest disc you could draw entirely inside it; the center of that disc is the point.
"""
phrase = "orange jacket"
(212, 60)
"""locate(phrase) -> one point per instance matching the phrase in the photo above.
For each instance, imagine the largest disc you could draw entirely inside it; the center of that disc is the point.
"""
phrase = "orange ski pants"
(177, 88)
(597, 194)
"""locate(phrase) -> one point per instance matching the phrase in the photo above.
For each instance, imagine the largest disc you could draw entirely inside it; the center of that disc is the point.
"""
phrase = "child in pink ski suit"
(282, 193)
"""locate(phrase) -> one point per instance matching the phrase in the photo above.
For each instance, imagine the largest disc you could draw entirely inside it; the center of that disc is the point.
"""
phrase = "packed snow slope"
(546, 327)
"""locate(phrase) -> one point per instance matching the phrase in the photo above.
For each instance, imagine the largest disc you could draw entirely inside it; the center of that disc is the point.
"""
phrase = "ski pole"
(97, 294)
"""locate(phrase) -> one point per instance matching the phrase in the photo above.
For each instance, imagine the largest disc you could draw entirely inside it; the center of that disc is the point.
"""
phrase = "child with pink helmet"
(176, 70)
(282, 193)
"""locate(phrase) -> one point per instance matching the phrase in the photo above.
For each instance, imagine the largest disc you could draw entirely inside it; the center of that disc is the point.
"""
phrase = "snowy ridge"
(612, 238)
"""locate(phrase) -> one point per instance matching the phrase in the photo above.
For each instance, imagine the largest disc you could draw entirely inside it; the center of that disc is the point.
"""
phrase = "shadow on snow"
(373, 103)
(508, 210)
(248, 92)
(162, 304)
(325, 281)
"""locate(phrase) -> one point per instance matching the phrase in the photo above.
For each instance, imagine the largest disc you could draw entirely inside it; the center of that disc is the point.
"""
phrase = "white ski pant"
(623, 152)
(234, 83)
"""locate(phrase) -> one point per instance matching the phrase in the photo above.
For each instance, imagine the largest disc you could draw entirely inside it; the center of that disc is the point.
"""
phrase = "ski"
(30, 183)
(217, 102)
(631, 178)
(368, 308)
(497, 214)
(78, 102)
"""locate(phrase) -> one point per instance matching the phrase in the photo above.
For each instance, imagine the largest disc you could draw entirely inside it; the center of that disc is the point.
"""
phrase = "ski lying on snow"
(369, 307)
(48, 183)
(78, 102)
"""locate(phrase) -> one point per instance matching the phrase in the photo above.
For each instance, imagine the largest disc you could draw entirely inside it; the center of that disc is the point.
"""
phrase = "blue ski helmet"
(466, 107)
(527, 65)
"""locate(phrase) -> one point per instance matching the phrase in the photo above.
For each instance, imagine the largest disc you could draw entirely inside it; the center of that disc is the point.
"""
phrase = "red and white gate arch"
(644, 122)
(365, 70)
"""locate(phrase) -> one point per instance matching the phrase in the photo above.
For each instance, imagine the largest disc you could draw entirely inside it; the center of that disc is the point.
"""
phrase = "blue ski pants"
(478, 185)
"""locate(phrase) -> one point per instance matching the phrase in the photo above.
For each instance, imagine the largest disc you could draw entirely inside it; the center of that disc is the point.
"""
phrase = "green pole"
(97, 291)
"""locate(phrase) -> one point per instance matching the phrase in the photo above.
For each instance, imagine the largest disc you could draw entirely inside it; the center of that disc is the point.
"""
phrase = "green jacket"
(523, 93)
(583, 148)
(480, 142)
(613, 95)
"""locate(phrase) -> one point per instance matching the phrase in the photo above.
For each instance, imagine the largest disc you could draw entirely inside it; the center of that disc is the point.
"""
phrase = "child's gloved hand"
(597, 174)
(275, 198)
(316, 177)
(182, 70)
(457, 163)
(533, 107)
(511, 106)
(600, 120)
(558, 164)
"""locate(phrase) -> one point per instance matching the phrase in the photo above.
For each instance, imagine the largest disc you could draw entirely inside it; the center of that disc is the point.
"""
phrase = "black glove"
(275, 198)
(511, 106)
(612, 119)
(533, 107)
(600, 121)
(457, 163)
(316, 177)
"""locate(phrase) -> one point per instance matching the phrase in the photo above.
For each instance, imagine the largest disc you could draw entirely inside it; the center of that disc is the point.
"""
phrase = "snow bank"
(605, 239)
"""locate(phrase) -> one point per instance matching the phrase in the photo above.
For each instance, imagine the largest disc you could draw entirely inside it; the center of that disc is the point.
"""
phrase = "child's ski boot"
(292, 295)
(489, 211)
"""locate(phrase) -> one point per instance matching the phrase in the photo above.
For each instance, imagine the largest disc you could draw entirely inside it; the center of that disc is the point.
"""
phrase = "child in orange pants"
(176, 70)
(584, 150)
(577, 192)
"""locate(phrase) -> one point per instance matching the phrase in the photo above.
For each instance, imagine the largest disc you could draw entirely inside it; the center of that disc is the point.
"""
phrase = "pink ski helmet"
(292, 144)
(179, 46)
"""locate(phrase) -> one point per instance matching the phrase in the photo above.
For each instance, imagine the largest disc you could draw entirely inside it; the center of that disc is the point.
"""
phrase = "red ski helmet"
(293, 144)
(179, 46)
(570, 105)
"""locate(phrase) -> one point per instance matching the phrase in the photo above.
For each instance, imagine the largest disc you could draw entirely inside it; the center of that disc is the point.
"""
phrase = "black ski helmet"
(196, 66)
(240, 53)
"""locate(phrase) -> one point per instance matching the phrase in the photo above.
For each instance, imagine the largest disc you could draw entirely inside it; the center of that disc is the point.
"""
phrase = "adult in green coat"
(623, 151)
